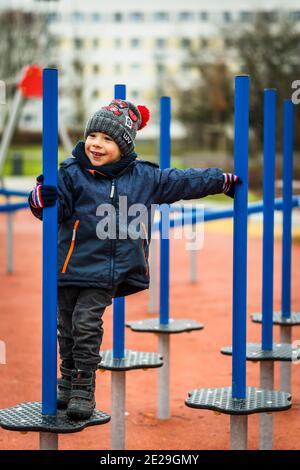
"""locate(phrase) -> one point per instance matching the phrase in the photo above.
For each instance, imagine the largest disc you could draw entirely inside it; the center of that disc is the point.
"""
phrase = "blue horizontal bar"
(8, 192)
(13, 207)
(210, 215)
(252, 208)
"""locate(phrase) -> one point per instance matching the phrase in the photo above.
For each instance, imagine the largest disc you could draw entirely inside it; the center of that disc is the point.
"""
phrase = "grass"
(32, 159)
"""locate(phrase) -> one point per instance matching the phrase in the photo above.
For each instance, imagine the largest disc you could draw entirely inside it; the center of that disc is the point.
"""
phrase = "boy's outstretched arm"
(174, 184)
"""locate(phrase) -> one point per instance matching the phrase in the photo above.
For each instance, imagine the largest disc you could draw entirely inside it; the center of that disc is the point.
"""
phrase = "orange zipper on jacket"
(71, 247)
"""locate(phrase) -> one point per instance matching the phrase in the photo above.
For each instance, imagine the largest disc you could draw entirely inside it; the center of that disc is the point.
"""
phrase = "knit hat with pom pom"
(120, 120)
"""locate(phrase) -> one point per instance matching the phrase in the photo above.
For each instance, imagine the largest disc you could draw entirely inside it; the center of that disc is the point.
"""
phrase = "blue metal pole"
(239, 296)
(120, 92)
(119, 302)
(119, 327)
(288, 138)
(268, 217)
(49, 328)
(165, 162)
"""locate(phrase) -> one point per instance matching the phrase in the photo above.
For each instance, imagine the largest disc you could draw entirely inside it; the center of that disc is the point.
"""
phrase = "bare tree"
(76, 90)
(24, 40)
(268, 49)
(207, 107)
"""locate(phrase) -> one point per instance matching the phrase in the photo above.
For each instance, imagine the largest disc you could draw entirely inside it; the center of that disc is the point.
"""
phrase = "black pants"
(80, 331)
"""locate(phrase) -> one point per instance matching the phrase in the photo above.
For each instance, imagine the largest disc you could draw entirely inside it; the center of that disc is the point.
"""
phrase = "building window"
(117, 42)
(136, 17)
(135, 67)
(96, 43)
(227, 42)
(161, 16)
(269, 16)
(96, 17)
(160, 43)
(160, 68)
(78, 43)
(96, 68)
(203, 15)
(227, 16)
(296, 15)
(186, 43)
(117, 68)
(118, 17)
(77, 17)
(186, 16)
(52, 17)
(246, 16)
(135, 42)
(204, 43)
(95, 94)
(135, 94)
(78, 66)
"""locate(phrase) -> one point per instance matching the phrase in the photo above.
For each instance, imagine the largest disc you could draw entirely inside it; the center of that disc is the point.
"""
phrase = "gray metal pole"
(153, 289)
(48, 441)
(118, 384)
(285, 367)
(9, 243)
(266, 419)
(10, 127)
(63, 134)
(238, 432)
(163, 411)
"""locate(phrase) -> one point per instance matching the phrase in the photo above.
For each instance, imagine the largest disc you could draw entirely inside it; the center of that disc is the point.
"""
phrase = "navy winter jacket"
(86, 260)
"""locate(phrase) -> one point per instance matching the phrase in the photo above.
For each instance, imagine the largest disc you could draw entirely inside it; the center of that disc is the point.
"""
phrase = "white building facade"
(142, 44)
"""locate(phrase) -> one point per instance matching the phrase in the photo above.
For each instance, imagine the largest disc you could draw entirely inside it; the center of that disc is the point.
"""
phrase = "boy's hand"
(230, 180)
(43, 195)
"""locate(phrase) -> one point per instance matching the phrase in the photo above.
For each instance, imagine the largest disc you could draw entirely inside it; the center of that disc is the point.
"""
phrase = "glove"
(230, 180)
(42, 195)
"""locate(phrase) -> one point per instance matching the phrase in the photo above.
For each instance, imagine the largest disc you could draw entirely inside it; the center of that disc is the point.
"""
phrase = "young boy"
(96, 264)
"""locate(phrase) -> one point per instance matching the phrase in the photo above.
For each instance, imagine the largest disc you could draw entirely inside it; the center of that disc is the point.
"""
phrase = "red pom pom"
(145, 113)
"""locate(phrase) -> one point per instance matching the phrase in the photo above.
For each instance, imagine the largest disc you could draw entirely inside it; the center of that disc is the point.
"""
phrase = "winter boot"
(64, 387)
(82, 399)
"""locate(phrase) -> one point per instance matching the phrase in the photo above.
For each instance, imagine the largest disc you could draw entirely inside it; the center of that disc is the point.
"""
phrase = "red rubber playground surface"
(195, 358)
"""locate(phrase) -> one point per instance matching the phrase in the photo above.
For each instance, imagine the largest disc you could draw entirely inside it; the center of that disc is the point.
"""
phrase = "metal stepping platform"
(152, 325)
(278, 319)
(132, 360)
(28, 417)
(254, 352)
(257, 400)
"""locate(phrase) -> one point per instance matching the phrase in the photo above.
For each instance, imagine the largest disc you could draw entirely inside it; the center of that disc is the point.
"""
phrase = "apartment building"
(143, 44)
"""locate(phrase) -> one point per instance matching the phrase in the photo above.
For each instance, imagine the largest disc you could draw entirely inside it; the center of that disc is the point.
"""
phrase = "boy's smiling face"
(101, 149)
